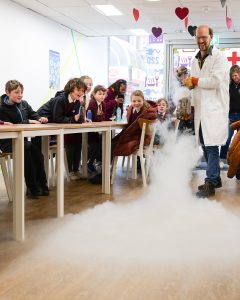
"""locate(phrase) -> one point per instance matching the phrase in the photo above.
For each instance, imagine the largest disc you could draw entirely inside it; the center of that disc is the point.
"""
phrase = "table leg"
(60, 175)
(45, 151)
(18, 182)
(106, 157)
(84, 154)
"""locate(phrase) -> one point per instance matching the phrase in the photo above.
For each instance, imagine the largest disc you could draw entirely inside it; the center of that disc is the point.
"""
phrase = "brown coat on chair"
(233, 155)
(128, 140)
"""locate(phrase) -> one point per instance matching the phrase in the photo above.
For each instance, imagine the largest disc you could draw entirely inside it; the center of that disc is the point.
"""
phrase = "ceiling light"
(107, 10)
(153, 0)
(139, 31)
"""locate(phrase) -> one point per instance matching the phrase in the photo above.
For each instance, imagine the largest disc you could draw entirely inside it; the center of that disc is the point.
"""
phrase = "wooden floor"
(27, 276)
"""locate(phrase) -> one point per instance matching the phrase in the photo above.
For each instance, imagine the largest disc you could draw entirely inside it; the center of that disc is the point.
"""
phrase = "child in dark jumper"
(17, 111)
(97, 107)
(65, 108)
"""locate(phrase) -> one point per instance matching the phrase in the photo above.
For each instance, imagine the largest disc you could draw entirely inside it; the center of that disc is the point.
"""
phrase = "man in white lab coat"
(210, 83)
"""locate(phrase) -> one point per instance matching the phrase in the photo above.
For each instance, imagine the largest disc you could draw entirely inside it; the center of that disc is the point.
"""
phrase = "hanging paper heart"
(223, 2)
(182, 13)
(136, 14)
(192, 30)
(157, 31)
(186, 22)
(228, 22)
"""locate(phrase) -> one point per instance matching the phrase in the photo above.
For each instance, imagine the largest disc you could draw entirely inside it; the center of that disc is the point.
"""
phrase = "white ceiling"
(80, 16)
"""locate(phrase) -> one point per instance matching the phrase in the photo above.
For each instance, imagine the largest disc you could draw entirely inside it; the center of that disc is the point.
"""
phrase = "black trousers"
(34, 172)
(73, 152)
(94, 147)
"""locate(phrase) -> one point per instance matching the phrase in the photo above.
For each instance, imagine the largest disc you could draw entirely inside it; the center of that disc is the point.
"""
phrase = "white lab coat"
(211, 98)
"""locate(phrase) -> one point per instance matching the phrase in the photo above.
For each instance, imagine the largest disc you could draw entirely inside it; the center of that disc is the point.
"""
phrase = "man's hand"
(190, 82)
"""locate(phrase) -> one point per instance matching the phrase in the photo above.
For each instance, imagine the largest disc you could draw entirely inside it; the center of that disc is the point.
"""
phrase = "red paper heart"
(228, 22)
(157, 31)
(186, 22)
(136, 14)
(182, 13)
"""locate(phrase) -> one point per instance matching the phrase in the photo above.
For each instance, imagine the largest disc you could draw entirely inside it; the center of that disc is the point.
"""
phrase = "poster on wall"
(139, 60)
(54, 69)
(154, 67)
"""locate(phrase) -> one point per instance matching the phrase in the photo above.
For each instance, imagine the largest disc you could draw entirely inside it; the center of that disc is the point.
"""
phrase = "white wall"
(27, 37)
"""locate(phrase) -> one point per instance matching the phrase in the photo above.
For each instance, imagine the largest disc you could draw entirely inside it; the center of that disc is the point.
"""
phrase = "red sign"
(234, 58)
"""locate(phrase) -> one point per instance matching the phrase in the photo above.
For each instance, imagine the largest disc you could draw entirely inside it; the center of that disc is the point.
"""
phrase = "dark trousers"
(211, 154)
(94, 147)
(73, 152)
(34, 172)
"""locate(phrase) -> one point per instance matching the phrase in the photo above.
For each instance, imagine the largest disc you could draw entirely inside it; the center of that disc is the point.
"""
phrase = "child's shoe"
(74, 176)
(91, 168)
(33, 192)
(45, 191)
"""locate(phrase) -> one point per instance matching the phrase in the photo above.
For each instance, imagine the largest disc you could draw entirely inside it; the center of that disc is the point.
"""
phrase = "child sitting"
(97, 107)
(163, 116)
(89, 83)
(115, 98)
(65, 107)
(17, 111)
(128, 140)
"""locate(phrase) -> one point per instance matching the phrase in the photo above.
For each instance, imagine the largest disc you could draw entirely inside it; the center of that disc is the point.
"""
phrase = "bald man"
(210, 83)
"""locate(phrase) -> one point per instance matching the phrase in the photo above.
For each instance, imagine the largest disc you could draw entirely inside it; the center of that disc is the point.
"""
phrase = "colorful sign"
(54, 69)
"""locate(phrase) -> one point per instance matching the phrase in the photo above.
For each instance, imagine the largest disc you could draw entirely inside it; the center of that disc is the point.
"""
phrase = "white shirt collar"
(137, 110)
(98, 103)
(70, 99)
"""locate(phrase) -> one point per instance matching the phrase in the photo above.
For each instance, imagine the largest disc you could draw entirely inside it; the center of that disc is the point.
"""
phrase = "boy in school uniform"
(97, 107)
(14, 110)
(65, 107)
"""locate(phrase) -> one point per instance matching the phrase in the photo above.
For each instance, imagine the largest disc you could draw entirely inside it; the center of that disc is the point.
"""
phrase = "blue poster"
(54, 69)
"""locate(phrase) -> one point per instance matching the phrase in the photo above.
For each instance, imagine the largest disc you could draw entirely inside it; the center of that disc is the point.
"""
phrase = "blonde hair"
(138, 93)
(85, 77)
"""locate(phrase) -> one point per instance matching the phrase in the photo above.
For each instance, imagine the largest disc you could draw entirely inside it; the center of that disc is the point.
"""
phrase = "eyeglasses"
(198, 38)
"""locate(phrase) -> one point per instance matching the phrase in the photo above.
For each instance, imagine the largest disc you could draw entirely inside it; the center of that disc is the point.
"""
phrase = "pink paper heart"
(136, 14)
(186, 22)
(228, 22)
(182, 13)
(157, 31)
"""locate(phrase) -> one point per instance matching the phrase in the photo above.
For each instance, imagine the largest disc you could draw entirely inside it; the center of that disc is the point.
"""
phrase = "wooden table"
(20, 131)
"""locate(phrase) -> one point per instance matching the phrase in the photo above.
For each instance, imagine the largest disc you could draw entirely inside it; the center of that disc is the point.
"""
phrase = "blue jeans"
(233, 117)
(211, 154)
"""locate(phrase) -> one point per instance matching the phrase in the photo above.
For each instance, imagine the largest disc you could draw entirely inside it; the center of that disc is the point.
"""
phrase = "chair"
(52, 153)
(6, 166)
(143, 152)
